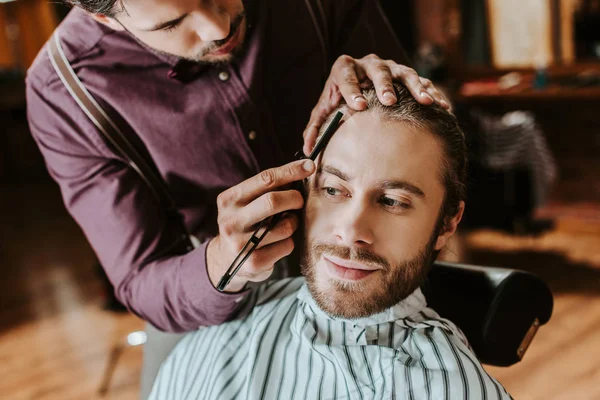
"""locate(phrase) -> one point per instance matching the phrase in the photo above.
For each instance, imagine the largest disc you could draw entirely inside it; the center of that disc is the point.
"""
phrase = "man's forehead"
(366, 137)
(368, 147)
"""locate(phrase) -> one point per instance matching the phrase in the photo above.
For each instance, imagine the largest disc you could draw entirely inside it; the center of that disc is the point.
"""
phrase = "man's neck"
(409, 306)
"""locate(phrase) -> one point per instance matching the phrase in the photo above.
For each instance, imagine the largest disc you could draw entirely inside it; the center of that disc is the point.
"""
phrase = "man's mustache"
(360, 255)
(235, 26)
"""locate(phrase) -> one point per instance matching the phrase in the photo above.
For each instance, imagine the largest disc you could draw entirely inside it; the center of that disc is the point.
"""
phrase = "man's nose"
(353, 227)
(211, 23)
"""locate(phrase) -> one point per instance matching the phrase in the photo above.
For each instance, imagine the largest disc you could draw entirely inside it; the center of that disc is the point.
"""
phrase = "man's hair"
(104, 7)
(443, 125)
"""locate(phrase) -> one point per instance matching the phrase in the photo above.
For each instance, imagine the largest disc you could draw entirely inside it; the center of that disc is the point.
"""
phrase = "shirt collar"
(185, 70)
(411, 305)
(180, 69)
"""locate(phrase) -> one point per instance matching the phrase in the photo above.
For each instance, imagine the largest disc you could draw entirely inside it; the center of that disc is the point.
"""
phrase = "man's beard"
(236, 25)
(350, 300)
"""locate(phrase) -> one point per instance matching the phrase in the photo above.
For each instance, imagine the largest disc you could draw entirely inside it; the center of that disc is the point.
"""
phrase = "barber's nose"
(354, 226)
(212, 23)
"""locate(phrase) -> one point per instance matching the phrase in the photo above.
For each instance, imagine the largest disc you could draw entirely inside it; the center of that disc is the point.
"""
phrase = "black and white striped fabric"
(286, 347)
(515, 139)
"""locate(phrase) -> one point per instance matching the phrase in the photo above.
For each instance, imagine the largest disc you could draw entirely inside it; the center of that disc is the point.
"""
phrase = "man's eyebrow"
(404, 185)
(333, 171)
(163, 25)
(389, 184)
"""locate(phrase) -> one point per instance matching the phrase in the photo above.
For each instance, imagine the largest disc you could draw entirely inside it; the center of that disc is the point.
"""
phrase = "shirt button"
(223, 75)
(252, 135)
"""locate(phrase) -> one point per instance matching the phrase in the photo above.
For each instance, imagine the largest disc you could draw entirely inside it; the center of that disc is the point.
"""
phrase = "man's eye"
(389, 202)
(331, 191)
(172, 26)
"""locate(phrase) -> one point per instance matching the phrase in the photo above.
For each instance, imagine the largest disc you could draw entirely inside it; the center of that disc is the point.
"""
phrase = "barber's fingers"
(261, 263)
(283, 230)
(272, 253)
(435, 93)
(378, 71)
(412, 81)
(317, 118)
(267, 205)
(328, 101)
(266, 181)
(346, 74)
(344, 81)
(310, 137)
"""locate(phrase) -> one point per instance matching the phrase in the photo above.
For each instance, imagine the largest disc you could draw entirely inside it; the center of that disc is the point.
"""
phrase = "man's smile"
(347, 270)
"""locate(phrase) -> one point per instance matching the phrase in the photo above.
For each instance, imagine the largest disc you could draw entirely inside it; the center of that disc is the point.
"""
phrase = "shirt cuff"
(215, 306)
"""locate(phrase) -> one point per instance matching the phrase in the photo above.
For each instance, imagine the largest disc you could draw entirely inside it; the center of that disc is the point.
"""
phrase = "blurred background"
(524, 80)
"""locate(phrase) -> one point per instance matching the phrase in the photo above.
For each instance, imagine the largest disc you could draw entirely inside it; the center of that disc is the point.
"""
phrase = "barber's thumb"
(308, 166)
(309, 140)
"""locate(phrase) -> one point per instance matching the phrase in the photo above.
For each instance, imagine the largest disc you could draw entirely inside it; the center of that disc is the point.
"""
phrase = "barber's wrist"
(216, 268)
(236, 285)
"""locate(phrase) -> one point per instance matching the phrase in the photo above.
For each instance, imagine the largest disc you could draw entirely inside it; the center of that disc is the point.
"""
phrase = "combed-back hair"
(439, 122)
(104, 7)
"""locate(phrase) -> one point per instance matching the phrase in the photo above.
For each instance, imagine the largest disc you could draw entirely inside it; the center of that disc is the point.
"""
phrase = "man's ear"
(108, 21)
(449, 227)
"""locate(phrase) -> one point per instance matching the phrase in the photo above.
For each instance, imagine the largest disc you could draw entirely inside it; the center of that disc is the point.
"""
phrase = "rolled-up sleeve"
(143, 251)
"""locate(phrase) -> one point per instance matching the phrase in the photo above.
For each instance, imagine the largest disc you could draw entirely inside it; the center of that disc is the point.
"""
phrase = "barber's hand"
(245, 205)
(345, 80)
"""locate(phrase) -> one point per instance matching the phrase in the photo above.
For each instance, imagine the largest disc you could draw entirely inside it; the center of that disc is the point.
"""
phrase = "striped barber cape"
(283, 346)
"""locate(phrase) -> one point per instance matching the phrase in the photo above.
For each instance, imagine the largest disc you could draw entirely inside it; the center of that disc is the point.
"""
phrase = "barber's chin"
(225, 53)
(215, 59)
(341, 273)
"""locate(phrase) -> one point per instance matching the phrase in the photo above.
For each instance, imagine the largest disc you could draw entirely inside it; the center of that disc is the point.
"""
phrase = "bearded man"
(357, 325)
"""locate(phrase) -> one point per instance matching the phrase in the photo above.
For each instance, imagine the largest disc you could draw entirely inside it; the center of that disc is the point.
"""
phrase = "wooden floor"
(563, 361)
(55, 338)
(54, 335)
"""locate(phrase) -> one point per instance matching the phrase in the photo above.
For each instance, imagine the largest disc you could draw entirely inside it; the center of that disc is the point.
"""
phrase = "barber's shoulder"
(80, 37)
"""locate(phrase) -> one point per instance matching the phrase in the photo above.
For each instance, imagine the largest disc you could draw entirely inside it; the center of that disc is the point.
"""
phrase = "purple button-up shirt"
(207, 128)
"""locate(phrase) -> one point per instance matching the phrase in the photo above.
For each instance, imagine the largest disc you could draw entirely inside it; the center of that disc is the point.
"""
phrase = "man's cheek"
(311, 214)
(321, 212)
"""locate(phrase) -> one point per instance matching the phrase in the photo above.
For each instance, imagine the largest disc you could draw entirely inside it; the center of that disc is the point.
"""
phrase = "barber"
(213, 92)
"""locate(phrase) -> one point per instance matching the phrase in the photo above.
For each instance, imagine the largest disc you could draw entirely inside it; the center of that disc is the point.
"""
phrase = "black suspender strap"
(108, 128)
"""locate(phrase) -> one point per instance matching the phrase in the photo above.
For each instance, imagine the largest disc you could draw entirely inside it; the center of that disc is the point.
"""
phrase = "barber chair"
(498, 309)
